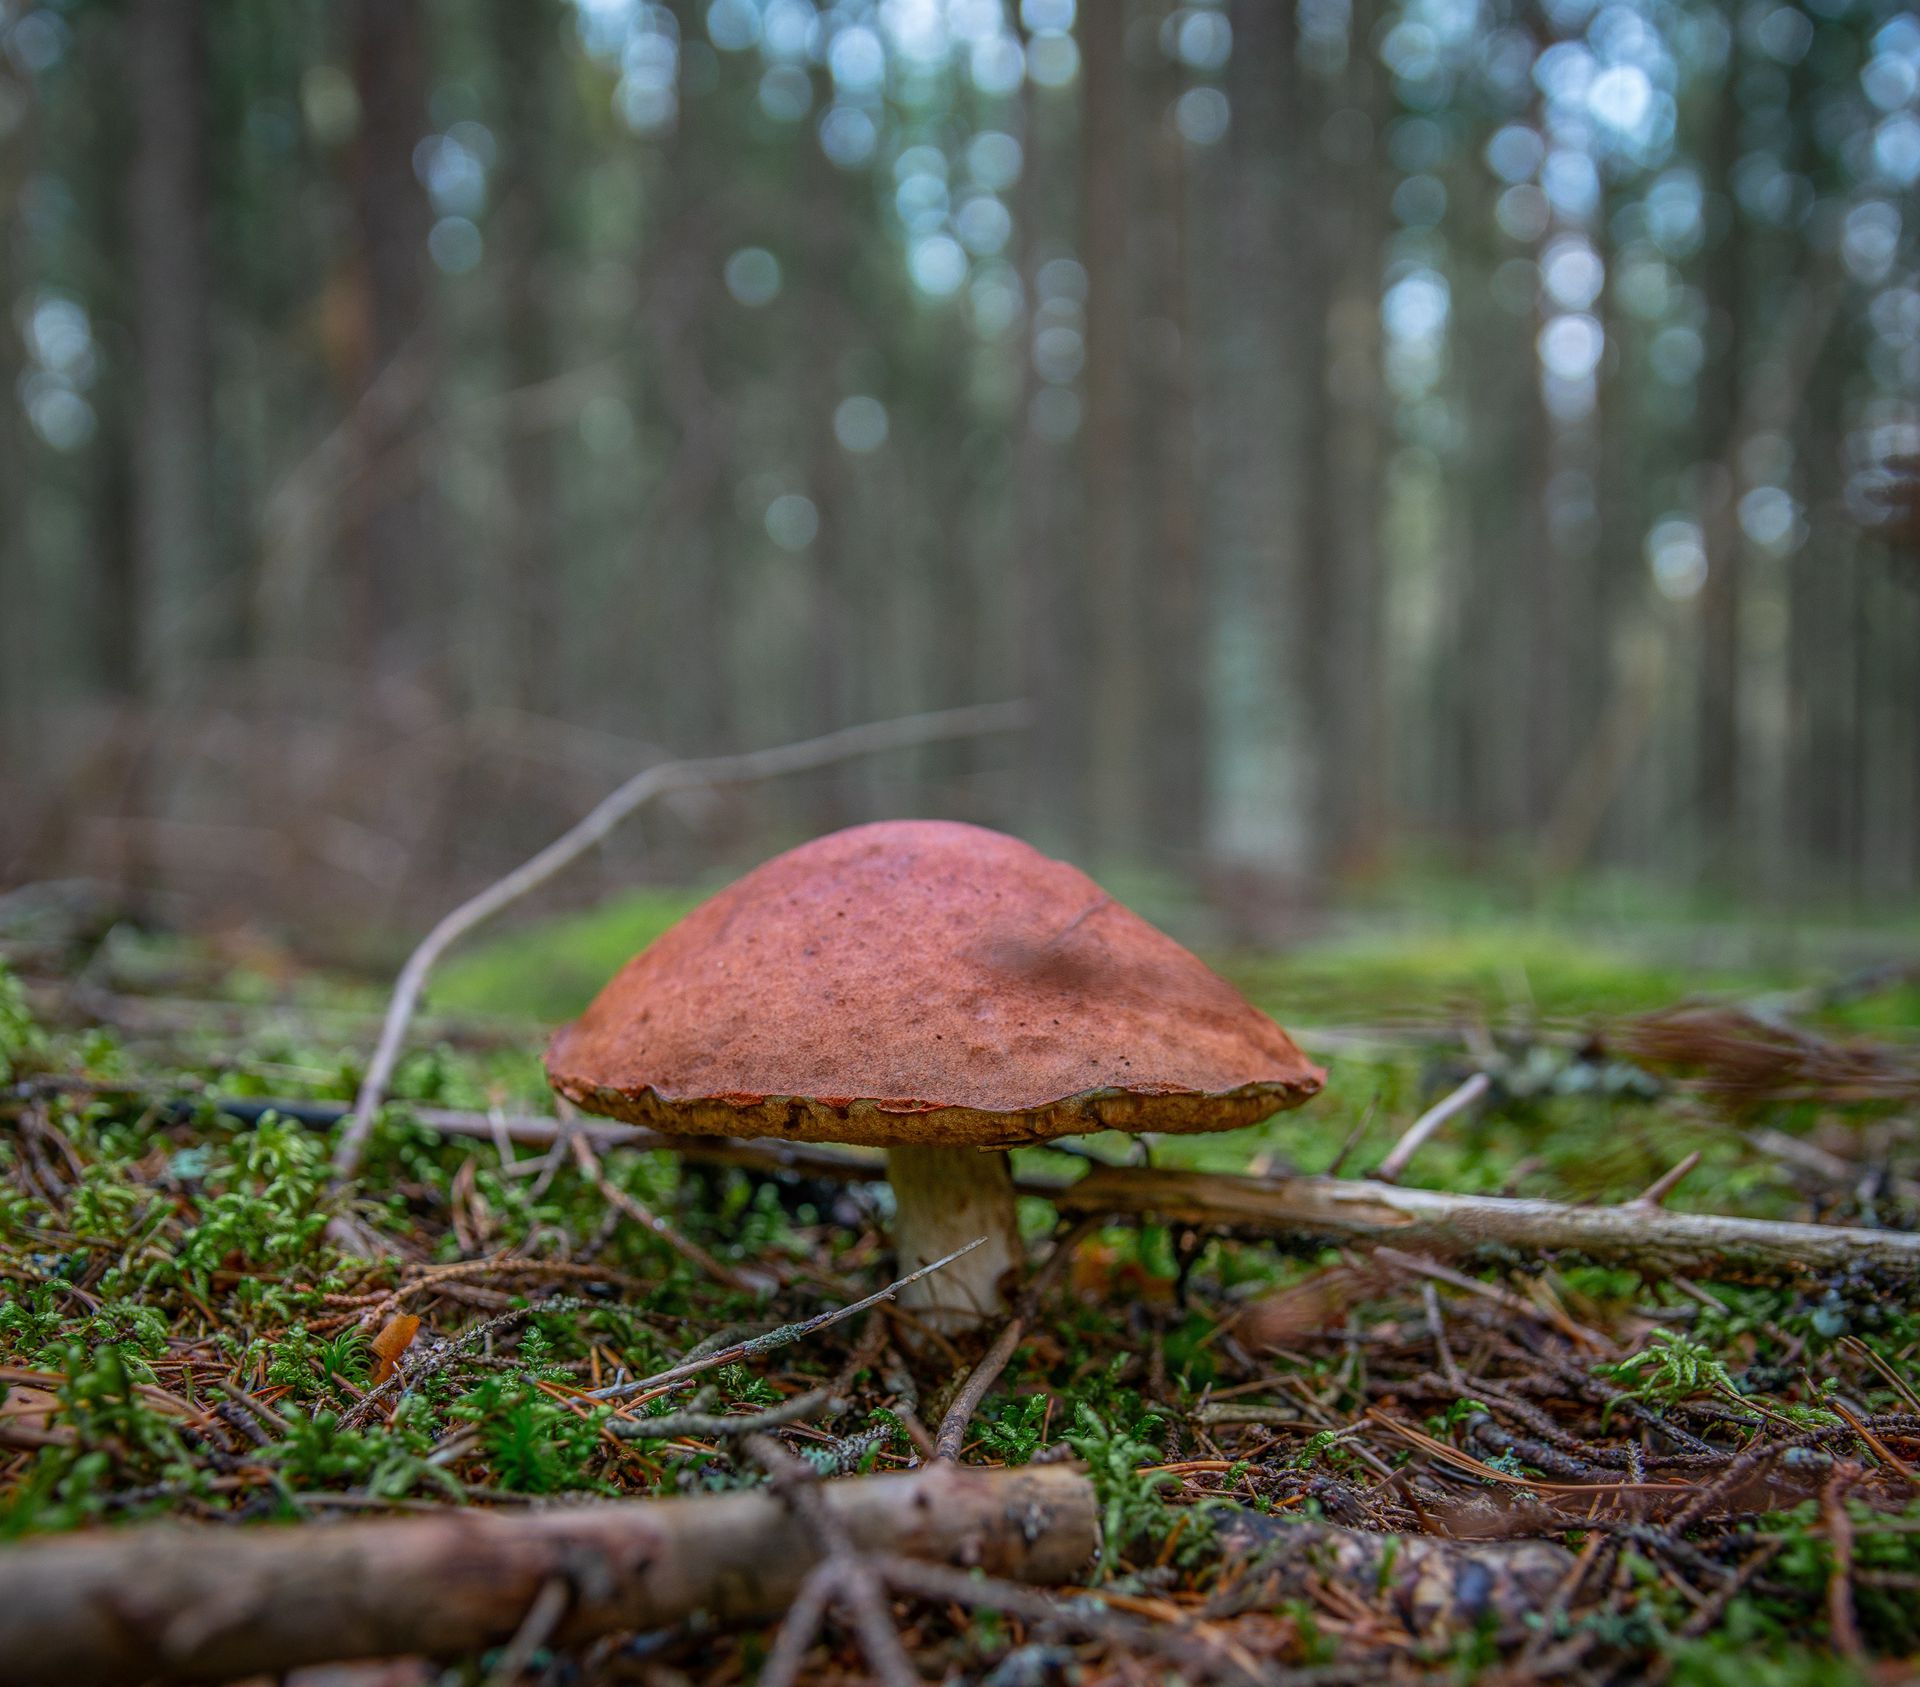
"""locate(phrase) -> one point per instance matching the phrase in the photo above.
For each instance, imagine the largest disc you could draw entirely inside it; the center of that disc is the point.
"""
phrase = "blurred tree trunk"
(525, 232)
(1176, 577)
(689, 621)
(18, 669)
(1824, 659)
(1717, 785)
(123, 640)
(1116, 737)
(1268, 361)
(683, 611)
(1903, 708)
(126, 639)
(1602, 533)
(139, 625)
(1618, 573)
(833, 648)
(1506, 545)
(1553, 624)
(965, 554)
(1342, 611)
(1053, 656)
(1554, 464)
(176, 552)
(397, 576)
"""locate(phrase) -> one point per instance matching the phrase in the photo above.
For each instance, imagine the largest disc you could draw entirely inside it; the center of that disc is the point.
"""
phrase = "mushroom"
(938, 990)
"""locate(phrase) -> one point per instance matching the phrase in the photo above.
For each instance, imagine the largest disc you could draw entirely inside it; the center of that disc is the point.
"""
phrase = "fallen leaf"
(395, 1337)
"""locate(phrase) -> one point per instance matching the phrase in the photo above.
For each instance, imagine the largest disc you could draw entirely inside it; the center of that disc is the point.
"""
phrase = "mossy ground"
(180, 1337)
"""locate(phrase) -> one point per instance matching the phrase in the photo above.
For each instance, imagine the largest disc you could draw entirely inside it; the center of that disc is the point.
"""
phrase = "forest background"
(1386, 440)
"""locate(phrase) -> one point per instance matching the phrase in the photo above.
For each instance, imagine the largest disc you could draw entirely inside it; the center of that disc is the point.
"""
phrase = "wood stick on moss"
(172, 1603)
(844, 1574)
(1362, 1213)
(1354, 1212)
(1427, 1124)
(641, 1214)
(754, 1345)
(1359, 1212)
(657, 781)
(966, 1400)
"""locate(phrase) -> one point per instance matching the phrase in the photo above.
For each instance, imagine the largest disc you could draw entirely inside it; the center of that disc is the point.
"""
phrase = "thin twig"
(536, 1628)
(1085, 1615)
(830, 1397)
(798, 1627)
(1443, 1349)
(1885, 1454)
(1709, 1615)
(1861, 1350)
(773, 1338)
(1664, 1185)
(1842, 1625)
(1835, 1168)
(1353, 1137)
(1268, 1417)
(1430, 1121)
(953, 1427)
(420, 1362)
(641, 1214)
(844, 1571)
(656, 781)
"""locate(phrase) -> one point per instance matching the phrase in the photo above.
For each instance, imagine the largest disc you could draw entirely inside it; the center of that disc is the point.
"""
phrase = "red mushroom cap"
(924, 982)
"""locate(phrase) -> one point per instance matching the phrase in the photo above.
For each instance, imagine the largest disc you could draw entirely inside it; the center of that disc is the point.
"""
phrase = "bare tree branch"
(1430, 1121)
(175, 1604)
(1368, 1214)
(1361, 1213)
(656, 781)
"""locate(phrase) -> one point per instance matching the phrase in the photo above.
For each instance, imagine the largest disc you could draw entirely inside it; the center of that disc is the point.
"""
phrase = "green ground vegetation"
(181, 1336)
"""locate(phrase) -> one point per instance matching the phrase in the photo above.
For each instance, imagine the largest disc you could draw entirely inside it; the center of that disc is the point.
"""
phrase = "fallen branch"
(736, 1351)
(845, 1574)
(1432, 1585)
(966, 1400)
(1354, 1212)
(182, 1604)
(1430, 1121)
(645, 1216)
(1201, 1654)
(1364, 1213)
(657, 781)
(526, 1129)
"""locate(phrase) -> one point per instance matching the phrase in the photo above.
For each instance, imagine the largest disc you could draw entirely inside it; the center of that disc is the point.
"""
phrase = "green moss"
(551, 971)
(201, 1247)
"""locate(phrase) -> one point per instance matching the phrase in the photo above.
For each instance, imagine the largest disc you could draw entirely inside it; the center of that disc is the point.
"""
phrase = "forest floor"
(1314, 1465)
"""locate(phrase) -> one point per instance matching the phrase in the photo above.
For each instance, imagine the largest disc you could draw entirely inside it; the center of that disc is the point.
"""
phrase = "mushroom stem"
(944, 1198)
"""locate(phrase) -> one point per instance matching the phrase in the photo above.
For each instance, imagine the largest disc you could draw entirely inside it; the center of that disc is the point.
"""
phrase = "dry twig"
(953, 1427)
(175, 1604)
(693, 1366)
(1367, 1214)
(843, 1573)
(1355, 1212)
(830, 1397)
(1422, 1128)
(656, 781)
(645, 1216)
(1841, 1622)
